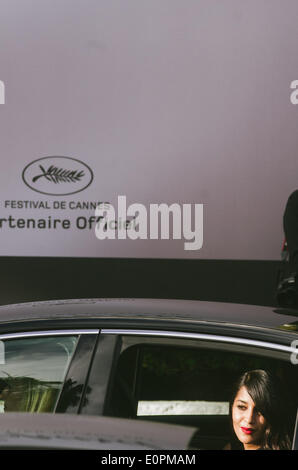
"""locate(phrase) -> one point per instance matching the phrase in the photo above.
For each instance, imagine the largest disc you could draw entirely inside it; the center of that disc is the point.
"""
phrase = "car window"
(32, 371)
(186, 385)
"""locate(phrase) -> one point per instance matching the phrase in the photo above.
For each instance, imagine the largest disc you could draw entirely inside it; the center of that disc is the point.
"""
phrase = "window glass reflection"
(32, 372)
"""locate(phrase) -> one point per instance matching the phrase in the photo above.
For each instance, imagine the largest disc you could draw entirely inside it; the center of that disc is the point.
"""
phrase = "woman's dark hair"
(271, 401)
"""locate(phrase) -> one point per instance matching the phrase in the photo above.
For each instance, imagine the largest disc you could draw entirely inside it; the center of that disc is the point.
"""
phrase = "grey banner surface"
(189, 102)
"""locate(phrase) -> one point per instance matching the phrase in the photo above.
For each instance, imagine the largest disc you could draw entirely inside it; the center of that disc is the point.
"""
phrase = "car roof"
(161, 310)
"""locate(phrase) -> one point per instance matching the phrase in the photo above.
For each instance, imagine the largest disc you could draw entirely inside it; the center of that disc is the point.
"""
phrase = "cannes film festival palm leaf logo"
(57, 176)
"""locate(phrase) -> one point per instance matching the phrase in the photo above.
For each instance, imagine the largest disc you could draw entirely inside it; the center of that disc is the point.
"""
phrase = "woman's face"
(248, 423)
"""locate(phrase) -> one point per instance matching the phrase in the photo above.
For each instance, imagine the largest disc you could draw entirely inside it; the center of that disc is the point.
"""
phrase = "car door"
(182, 378)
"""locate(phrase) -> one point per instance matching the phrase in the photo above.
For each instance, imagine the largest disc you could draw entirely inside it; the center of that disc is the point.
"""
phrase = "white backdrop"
(165, 101)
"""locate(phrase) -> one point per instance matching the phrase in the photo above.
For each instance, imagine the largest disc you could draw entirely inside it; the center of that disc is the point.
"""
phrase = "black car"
(172, 361)
(48, 431)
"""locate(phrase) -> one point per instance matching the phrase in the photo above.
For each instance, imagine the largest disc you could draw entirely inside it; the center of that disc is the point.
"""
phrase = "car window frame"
(100, 375)
(113, 336)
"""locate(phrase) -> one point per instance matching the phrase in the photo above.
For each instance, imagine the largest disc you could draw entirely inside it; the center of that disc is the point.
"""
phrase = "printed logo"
(2, 92)
(57, 176)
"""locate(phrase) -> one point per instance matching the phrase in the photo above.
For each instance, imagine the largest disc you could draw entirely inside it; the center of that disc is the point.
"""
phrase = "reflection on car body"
(25, 431)
(171, 361)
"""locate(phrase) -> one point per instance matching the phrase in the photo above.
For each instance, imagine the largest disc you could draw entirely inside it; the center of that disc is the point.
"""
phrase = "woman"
(259, 415)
